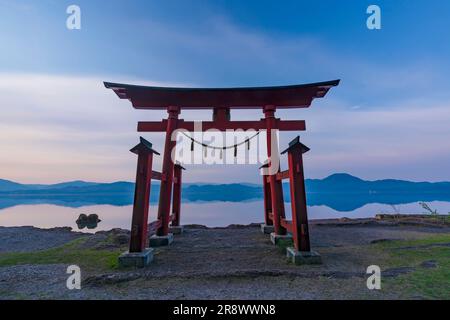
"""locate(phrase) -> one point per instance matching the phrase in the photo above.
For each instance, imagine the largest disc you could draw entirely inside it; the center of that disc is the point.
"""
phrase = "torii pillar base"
(267, 229)
(280, 239)
(136, 259)
(161, 241)
(303, 257)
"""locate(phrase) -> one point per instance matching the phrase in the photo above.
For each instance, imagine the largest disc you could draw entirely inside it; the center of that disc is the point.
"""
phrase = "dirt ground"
(237, 262)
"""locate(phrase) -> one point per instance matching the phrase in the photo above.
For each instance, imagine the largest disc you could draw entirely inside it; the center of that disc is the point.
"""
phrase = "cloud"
(222, 52)
(56, 128)
(407, 141)
(382, 121)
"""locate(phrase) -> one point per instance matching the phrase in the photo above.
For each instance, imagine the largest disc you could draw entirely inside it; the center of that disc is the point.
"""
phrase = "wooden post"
(165, 193)
(276, 190)
(138, 240)
(298, 195)
(267, 202)
(176, 198)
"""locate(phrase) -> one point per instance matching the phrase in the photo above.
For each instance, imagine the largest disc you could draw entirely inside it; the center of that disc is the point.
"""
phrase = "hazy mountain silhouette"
(345, 183)
(7, 185)
(342, 192)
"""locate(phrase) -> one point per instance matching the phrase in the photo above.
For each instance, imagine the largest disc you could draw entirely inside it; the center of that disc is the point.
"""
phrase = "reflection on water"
(213, 214)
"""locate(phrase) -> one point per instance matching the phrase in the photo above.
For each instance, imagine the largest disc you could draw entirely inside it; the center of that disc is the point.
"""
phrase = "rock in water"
(90, 221)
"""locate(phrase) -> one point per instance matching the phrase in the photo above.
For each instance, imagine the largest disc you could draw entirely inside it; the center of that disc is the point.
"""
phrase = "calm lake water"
(213, 214)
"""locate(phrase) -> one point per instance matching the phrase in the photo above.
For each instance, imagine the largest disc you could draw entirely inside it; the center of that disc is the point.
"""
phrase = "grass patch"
(429, 283)
(70, 253)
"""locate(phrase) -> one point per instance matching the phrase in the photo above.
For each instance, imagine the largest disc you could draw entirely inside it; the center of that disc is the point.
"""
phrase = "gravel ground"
(237, 262)
(25, 239)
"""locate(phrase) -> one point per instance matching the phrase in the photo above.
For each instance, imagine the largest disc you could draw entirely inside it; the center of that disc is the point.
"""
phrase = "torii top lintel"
(293, 96)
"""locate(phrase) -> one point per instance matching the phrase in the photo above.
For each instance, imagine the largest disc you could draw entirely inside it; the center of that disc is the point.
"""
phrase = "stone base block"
(176, 229)
(160, 241)
(136, 259)
(302, 257)
(266, 229)
(277, 239)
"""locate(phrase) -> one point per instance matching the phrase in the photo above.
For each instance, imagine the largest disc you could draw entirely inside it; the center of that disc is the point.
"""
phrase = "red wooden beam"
(287, 224)
(283, 175)
(300, 228)
(157, 175)
(267, 202)
(139, 227)
(293, 96)
(165, 192)
(176, 197)
(282, 125)
(276, 188)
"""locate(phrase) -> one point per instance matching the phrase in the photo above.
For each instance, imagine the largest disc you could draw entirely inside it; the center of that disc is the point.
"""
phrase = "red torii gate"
(221, 101)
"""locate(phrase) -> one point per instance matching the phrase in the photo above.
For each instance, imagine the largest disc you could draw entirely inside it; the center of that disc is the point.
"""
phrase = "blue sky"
(388, 118)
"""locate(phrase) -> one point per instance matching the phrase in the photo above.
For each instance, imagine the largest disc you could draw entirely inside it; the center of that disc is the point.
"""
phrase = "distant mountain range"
(6, 185)
(342, 192)
(345, 183)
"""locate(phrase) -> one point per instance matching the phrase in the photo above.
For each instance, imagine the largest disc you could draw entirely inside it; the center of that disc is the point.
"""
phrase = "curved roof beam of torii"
(293, 96)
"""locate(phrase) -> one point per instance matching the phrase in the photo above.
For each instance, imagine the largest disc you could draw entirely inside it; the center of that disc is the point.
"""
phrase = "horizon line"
(216, 183)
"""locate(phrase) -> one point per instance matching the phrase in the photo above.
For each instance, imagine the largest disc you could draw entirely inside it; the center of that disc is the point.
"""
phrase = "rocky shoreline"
(235, 262)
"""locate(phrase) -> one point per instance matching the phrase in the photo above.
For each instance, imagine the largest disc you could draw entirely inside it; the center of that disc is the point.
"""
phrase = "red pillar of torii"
(222, 101)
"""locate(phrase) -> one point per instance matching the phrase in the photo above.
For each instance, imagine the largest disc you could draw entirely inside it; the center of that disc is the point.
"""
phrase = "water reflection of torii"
(221, 101)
